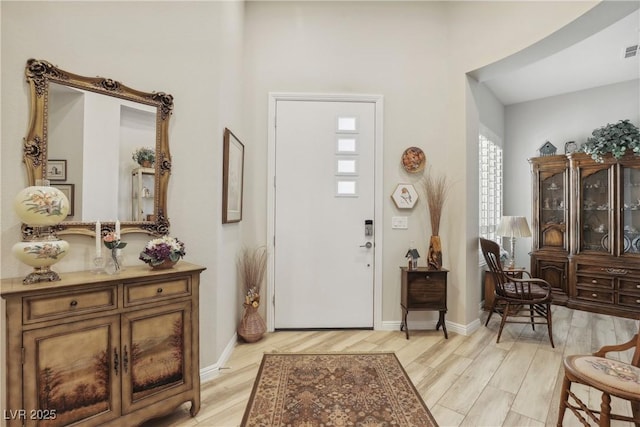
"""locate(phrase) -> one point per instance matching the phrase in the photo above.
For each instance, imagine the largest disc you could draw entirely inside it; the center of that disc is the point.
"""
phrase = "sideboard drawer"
(595, 294)
(54, 306)
(629, 300)
(595, 281)
(156, 291)
(629, 285)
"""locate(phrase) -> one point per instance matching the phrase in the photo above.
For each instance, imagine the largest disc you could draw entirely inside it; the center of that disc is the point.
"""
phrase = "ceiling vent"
(631, 51)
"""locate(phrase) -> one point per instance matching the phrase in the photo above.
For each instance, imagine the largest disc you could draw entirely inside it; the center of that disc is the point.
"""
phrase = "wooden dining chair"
(610, 377)
(517, 300)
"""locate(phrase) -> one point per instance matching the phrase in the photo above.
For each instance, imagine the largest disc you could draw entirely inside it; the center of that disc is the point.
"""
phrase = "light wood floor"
(465, 380)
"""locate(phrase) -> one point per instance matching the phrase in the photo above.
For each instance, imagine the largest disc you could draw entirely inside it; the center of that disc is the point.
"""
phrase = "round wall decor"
(413, 159)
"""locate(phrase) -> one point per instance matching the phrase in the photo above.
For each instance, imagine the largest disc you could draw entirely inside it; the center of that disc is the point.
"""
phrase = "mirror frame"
(39, 75)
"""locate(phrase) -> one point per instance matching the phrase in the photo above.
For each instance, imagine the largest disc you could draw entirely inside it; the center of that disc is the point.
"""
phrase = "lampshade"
(41, 205)
(513, 226)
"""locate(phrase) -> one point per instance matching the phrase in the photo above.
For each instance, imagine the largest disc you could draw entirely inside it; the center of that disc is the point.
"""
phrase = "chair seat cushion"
(623, 377)
(536, 291)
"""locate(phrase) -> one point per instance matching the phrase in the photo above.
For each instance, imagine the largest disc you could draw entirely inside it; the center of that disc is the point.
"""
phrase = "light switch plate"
(400, 222)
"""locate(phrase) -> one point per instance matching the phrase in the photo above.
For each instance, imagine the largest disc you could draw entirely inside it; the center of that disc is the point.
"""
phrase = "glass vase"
(114, 262)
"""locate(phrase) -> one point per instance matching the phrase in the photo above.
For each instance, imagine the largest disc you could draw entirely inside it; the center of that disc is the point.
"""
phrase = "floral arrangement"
(144, 154)
(618, 139)
(112, 241)
(252, 264)
(162, 249)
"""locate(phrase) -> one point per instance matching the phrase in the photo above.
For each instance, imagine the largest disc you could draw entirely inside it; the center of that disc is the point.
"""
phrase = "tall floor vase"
(434, 257)
(251, 327)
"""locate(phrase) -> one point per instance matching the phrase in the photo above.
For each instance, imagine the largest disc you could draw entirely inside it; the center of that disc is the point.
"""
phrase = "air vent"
(631, 51)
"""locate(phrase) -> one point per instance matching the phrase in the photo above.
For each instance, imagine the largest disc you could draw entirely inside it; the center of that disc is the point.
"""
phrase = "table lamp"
(41, 207)
(512, 227)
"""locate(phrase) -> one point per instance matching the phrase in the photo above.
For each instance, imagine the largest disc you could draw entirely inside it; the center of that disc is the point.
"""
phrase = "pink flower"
(110, 237)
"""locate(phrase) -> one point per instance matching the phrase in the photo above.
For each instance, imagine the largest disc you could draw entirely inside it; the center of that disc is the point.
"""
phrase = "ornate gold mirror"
(83, 135)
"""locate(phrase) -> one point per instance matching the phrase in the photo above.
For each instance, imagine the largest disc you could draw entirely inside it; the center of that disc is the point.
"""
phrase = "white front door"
(323, 209)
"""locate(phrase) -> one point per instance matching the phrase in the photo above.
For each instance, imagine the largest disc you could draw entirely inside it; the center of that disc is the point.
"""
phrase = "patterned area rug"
(335, 389)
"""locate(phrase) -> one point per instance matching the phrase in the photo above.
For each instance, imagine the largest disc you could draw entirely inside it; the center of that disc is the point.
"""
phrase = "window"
(490, 168)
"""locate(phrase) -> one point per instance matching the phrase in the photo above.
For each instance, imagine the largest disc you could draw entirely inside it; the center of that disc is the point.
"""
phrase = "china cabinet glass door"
(595, 210)
(630, 210)
(553, 211)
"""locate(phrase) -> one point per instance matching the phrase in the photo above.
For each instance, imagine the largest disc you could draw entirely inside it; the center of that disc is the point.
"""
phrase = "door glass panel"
(347, 145)
(631, 210)
(347, 167)
(552, 211)
(595, 211)
(347, 124)
(346, 188)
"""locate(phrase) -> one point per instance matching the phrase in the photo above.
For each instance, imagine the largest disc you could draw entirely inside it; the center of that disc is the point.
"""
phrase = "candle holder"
(98, 264)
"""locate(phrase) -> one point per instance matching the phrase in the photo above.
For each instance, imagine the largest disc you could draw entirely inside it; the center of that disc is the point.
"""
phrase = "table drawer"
(54, 306)
(425, 294)
(595, 294)
(156, 291)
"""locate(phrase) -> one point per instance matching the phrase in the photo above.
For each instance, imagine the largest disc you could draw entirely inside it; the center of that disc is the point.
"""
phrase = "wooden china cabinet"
(586, 231)
(605, 245)
(100, 350)
(550, 219)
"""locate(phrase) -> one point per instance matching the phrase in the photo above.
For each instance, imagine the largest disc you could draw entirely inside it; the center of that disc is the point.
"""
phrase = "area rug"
(335, 389)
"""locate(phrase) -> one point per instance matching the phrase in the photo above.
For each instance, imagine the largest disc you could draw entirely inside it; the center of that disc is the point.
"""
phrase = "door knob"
(367, 245)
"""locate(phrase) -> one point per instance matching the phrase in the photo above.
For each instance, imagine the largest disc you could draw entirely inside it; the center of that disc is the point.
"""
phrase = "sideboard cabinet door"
(156, 346)
(77, 373)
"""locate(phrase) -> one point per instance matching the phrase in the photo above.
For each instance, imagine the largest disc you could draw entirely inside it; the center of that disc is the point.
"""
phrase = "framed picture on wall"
(405, 196)
(68, 190)
(232, 177)
(57, 170)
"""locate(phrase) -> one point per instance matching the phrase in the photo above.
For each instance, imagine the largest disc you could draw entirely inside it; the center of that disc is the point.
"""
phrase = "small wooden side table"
(424, 290)
(490, 284)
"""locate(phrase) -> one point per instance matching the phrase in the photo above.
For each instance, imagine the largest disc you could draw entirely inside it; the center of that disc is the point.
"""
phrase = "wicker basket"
(251, 327)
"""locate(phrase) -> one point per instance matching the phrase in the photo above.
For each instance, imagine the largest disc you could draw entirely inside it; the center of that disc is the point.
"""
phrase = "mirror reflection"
(97, 135)
(91, 137)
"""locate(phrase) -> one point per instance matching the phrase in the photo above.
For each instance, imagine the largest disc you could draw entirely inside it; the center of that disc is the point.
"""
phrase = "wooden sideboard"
(423, 289)
(101, 350)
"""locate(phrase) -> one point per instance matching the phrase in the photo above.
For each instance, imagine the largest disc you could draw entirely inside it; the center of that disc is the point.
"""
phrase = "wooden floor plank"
(465, 380)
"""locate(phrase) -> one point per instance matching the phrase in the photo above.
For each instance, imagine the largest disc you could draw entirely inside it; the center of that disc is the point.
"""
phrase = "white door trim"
(378, 100)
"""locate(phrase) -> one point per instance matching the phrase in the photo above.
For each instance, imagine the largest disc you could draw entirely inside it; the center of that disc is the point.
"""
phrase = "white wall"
(558, 119)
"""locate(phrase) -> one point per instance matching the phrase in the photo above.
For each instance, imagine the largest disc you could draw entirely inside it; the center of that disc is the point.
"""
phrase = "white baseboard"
(210, 372)
(431, 324)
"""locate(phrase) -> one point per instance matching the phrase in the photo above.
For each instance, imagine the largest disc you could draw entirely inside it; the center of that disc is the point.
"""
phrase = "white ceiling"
(597, 60)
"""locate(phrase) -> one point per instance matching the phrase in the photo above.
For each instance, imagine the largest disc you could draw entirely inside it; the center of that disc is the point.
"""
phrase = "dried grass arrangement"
(435, 189)
(252, 266)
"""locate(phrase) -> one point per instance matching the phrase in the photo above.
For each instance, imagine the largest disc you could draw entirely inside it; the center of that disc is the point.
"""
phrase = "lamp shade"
(513, 226)
(41, 205)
